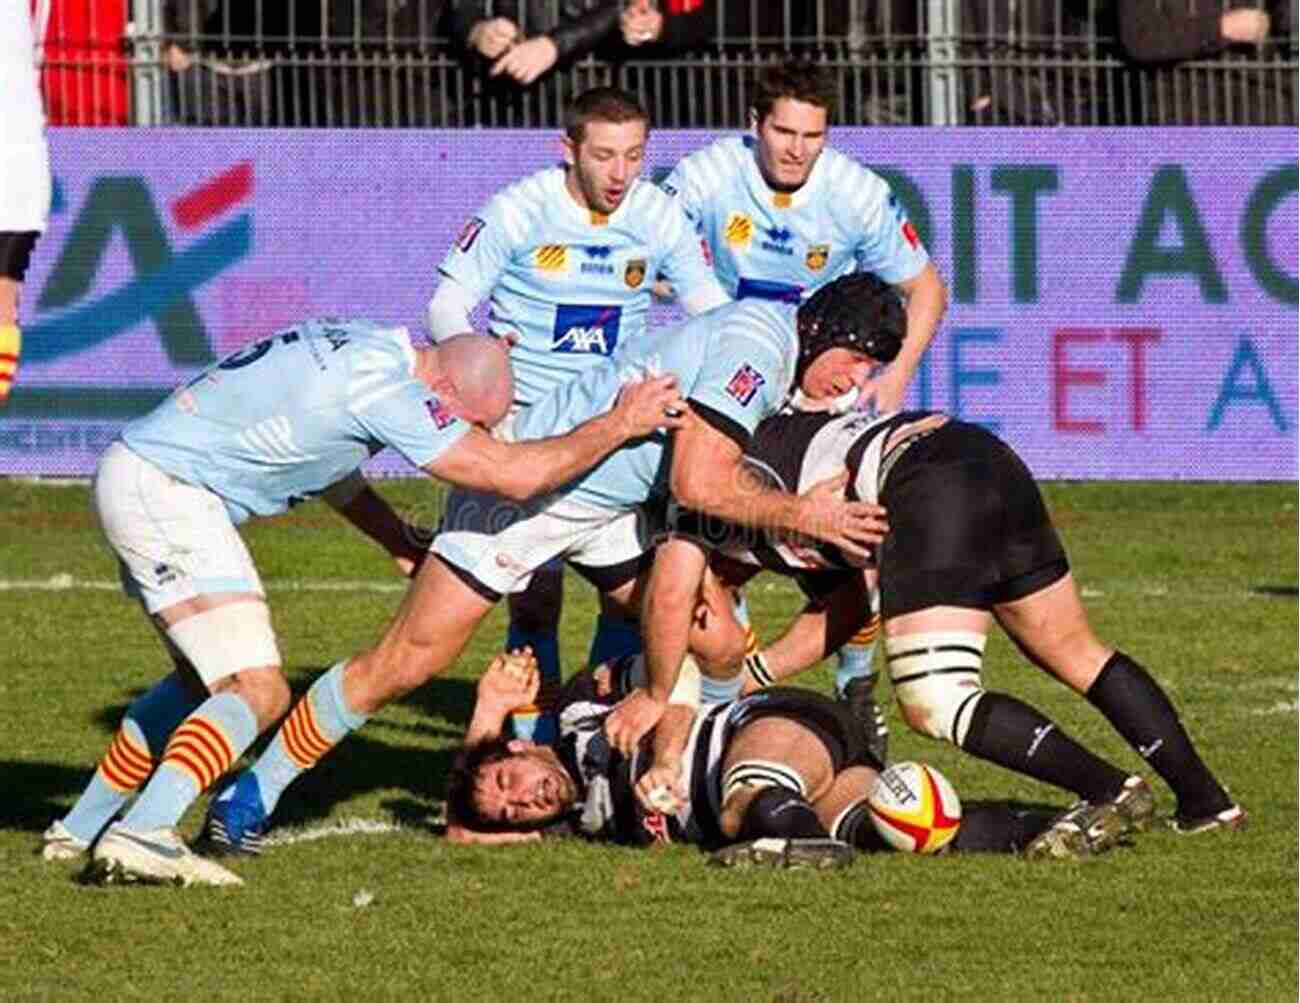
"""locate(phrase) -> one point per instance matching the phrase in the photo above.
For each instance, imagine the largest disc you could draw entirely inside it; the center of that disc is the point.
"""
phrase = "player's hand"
(457, 833)
(853, 527)
(491, 38)
(885, 391)
(648, 405)
(635, 715)
(641, 24)
(660, 789)
(528, 60)
(511, 680)
(1245, 25)
(663, 291)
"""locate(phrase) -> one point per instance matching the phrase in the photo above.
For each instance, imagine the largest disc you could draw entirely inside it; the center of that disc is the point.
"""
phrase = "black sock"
(856, 828)
(998, 828)
(1012, 734)
(1138, 709)
(779, 811)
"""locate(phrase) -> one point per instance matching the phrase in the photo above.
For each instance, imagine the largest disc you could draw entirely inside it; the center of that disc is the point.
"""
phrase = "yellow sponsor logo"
(551, 258)
(739, 230)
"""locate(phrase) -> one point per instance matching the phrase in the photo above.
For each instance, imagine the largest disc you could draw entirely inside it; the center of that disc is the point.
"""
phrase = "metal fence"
(405, 63)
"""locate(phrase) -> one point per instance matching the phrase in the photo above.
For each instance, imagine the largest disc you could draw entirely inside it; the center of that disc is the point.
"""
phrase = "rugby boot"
(810, 854)
(156, 857)
(236, 822)
(860, 697)
(1081, 831)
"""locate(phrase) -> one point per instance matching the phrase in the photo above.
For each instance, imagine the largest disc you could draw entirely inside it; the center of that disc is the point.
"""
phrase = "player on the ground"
(24, 166)
(783, 214)
(566, 259)
(285, 419)
(777, 778)
(970, 541)
(734, 366)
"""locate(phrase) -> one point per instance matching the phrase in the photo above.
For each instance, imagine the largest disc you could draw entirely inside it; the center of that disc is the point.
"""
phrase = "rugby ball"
(914, 808)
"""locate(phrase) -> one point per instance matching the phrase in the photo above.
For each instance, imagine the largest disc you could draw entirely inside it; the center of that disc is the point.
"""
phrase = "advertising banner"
(1124, 301)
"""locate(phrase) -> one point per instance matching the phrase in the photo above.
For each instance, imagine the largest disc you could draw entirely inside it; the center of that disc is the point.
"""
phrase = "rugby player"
(777, 778)
(783, 214)
(734, 366)
(285, 419)
(566, 259)
(25, 167)
(970, 541)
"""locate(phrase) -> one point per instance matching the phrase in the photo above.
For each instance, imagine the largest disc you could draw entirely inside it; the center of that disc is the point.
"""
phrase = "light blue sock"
(318, 722)
(150, 719)
(205, 746)
(615, 638)
(720, 690)
(855, 661)
(741, 610)
(538, 724)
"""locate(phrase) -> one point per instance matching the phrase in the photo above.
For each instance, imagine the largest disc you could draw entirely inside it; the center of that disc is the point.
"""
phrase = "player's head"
(473, 372)
(845, 328)
(511, 785)
(605, 132)
(791, 113)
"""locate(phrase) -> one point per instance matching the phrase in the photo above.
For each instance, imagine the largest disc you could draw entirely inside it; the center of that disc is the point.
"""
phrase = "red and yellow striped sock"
(11, 346)
(304, 742)
(127, 764)
(199, 749)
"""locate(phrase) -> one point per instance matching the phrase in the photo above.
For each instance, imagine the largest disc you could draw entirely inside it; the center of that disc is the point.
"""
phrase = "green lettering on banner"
(1271, 191)
(125, 203)
(1169, 197)
(1024, 185)
(965, 270)
(913, 202)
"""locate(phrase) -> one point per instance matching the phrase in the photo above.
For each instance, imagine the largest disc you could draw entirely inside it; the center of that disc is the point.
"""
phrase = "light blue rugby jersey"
(784, 246)
(736, 363)
(284, 418)
(573, 286)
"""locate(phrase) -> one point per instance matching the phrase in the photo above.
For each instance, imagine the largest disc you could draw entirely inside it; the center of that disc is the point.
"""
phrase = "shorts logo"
(817, 256)
(551, 258)
(739, 230)
(438, 411)
(744, 384)
(586, 329)
(634, 273)
(470, 234)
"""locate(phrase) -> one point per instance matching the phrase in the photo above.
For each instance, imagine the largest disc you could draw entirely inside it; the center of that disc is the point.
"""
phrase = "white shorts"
(25, 193)
(173, 541)
(495, 545)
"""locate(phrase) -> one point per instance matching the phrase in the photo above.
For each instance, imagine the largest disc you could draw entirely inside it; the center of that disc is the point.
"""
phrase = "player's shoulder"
(711, 164)
(374, 347)
(755, 322)
(525, 201)
(849, 182)
(650, 207)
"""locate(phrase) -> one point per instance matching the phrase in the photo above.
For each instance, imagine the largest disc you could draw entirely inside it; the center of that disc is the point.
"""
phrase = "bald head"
(477, 367)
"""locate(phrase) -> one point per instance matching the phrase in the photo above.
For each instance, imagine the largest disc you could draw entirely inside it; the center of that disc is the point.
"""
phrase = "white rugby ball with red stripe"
(914, 808)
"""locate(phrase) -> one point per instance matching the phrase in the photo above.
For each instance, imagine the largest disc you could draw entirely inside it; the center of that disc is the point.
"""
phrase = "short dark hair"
(602, 104)
(800, 81)
(461, 805)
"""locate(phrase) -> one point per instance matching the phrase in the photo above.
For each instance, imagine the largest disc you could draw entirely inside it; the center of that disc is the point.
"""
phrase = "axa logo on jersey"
(586, 329)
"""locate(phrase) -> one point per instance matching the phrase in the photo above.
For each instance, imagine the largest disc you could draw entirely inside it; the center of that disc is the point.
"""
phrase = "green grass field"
(1197, 581)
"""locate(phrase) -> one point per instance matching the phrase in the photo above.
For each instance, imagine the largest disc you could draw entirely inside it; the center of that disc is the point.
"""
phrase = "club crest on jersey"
(744, 384)
(586, 329)
(438, 411)
(739, 230)
(551, 258)
(634, 273)
(470, 234)
(817, 257)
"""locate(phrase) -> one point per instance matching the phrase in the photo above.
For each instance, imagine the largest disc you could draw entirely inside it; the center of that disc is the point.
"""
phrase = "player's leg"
(1052, 629)
(773, 771)
(535, 624)
(190, 567)
(436, 619)
(856, 675)
(15, 255)
(24, 212)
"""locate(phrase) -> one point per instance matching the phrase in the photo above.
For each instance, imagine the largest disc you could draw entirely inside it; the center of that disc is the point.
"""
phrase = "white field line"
(329, 830)
(1281, 707)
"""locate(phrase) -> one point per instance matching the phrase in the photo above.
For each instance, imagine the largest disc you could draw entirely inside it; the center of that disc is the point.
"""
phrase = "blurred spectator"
(1036, 62)
(85, 70)
(524, 39)
(885, 40)
(1172, 31)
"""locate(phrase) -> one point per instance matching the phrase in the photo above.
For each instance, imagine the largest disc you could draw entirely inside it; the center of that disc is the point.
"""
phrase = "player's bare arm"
(520, 470)
(708, 476)
(926, 298)
(660, 787)
(357, 502)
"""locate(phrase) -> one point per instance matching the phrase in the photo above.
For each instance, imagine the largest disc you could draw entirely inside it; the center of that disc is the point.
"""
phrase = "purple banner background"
(262, 228)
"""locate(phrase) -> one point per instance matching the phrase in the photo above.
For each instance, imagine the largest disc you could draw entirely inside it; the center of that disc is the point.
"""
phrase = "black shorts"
(16, 253)
(967, 525)
(830, 720)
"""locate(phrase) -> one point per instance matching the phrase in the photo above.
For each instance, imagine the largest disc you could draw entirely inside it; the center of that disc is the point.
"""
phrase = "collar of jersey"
(767, 194)
(582, 215)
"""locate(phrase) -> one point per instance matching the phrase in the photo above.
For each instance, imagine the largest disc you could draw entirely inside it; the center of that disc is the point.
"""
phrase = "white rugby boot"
(159, 856)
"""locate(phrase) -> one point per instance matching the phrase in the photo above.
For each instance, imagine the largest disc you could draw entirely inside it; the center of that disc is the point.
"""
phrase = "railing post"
(943, 29)
(147, 77)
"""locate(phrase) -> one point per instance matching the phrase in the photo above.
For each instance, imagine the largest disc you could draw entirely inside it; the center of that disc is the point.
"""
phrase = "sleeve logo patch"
(470, 234)
(744, 384)
(438, 411)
